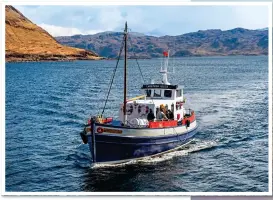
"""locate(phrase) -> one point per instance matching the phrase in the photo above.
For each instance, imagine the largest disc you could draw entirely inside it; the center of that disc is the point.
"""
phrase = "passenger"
(151, 116)
(162, 107)
(170, 114)
(157, 111)
(161, 115)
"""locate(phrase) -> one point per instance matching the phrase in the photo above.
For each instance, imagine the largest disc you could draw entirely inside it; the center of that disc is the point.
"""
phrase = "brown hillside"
(26, 41)
(213, 42)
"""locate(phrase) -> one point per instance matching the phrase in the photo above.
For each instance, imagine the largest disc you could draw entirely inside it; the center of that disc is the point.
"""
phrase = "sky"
(150, 20)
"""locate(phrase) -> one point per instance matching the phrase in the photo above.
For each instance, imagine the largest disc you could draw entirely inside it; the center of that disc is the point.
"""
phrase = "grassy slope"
(26, 41)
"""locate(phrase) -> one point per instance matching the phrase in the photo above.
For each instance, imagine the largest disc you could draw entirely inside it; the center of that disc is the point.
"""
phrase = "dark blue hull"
(119, 149)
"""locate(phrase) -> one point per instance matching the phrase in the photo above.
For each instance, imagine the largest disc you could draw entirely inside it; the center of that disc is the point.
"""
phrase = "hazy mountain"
(238, 41)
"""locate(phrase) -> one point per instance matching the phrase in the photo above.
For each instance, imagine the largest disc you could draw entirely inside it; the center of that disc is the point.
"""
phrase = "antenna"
(164, 71)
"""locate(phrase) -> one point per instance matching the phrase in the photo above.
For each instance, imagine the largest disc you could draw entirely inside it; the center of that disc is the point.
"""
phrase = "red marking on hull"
(163, 124)
(107, 120)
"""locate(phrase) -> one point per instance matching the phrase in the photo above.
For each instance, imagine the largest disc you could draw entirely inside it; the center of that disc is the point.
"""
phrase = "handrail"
(136, 98)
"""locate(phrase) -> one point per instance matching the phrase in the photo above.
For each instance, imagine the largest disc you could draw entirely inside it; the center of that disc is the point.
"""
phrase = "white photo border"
(132, 3)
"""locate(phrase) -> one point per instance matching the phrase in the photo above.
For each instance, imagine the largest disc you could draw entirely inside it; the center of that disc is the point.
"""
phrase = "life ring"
(100, 130)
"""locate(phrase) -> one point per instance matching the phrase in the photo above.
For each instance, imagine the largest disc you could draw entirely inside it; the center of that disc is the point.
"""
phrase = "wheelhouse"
(163, 91)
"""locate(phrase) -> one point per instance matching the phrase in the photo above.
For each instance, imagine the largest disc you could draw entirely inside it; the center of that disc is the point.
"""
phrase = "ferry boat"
(149, 125)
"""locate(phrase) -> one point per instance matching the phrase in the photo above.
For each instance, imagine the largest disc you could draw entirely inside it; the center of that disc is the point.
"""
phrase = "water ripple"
(48, 103)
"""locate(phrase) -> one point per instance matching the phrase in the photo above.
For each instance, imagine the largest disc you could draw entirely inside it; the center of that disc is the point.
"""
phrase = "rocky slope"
(215, 42)
(26, 41)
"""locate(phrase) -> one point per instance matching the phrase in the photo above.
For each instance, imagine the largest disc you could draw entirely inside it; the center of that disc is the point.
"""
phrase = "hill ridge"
(211, 42)
(25, 41)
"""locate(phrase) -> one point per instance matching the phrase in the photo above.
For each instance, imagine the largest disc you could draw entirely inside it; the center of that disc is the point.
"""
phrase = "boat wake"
(194, 146)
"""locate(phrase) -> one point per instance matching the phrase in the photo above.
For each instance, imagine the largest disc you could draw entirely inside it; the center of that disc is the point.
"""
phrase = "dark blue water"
(47, 104)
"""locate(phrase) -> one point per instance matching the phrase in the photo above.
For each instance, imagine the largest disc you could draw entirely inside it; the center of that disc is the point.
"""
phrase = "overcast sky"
(152, 20)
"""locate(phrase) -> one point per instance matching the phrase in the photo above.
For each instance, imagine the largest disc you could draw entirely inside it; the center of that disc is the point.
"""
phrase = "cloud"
(155, 20)
(252, 16)
(110, 18)
(66, 31)
(60, 31)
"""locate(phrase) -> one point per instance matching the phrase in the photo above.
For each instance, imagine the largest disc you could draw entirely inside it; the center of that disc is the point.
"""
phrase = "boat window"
(167, 93)
(148, 93)
(178, 93)
(157, 93)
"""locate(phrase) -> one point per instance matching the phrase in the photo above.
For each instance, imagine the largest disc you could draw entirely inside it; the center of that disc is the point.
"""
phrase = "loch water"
(47, 104)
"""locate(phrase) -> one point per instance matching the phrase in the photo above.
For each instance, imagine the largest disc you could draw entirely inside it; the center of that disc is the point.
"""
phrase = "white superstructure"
(156, 95)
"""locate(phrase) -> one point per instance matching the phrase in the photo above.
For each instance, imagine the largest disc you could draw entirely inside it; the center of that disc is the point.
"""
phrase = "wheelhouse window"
(168, 93)
(148, 93)
(178, 93)
(157, 93)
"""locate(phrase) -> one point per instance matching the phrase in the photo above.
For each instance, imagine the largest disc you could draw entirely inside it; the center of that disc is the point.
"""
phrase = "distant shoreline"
(103, 58)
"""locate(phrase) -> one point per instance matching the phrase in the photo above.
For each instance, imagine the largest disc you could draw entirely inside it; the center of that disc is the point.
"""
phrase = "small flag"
(165, 53)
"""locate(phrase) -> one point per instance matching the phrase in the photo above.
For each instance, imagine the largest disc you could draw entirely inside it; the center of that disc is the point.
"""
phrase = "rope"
(138, 64)
(113, 76)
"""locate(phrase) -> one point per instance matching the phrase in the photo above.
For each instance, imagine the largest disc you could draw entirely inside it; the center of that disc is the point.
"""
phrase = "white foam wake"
(193, 146)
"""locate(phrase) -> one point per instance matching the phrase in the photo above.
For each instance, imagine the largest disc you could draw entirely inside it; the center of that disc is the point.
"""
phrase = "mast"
(125, 75)
(164, 71)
